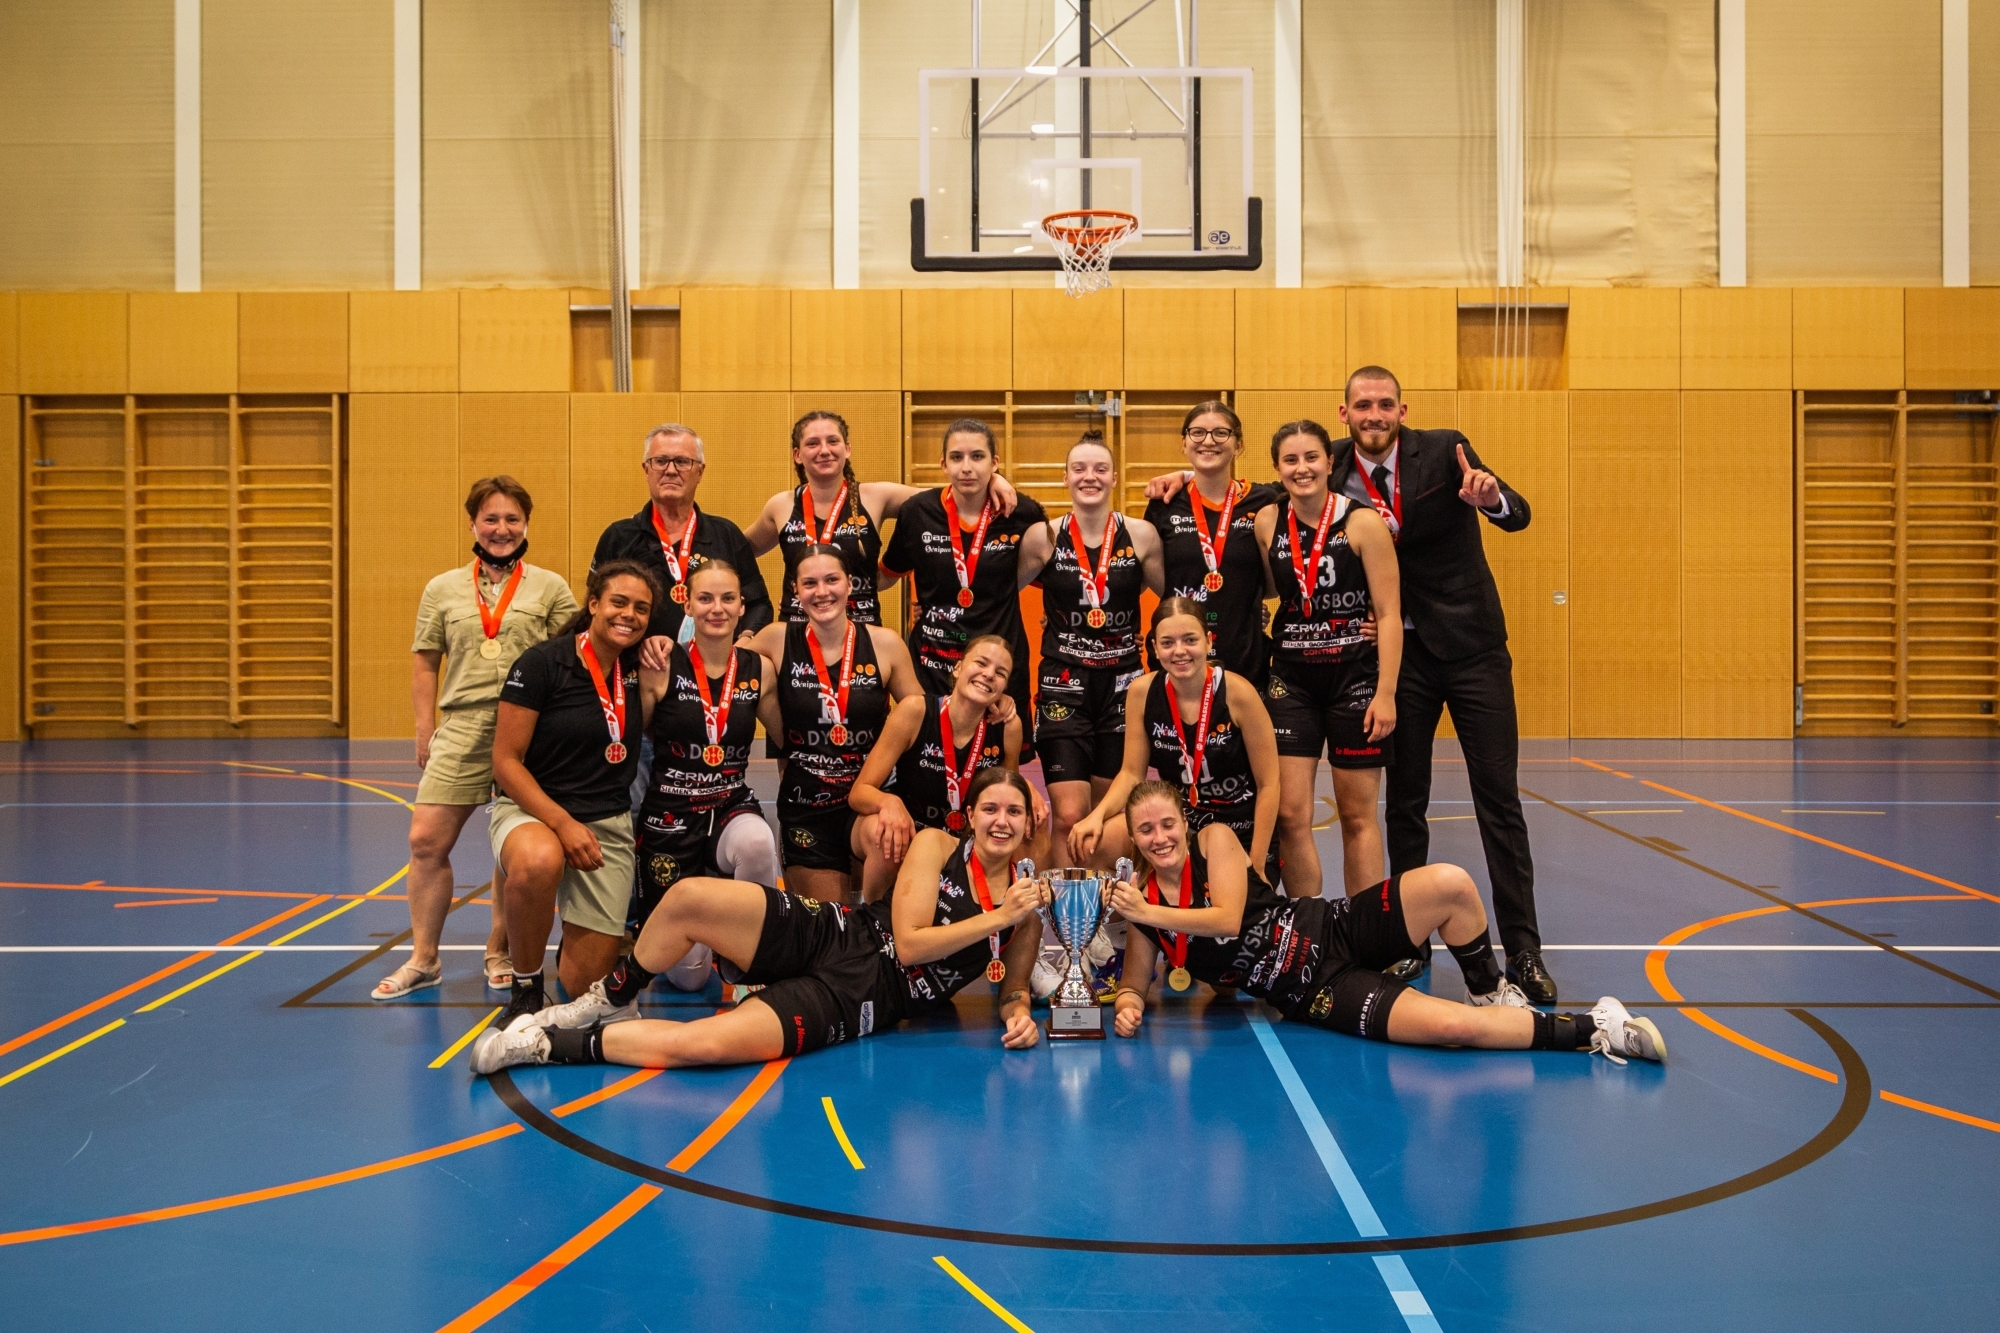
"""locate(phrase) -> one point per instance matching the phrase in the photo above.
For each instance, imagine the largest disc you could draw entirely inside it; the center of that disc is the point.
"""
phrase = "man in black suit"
(1431, 488)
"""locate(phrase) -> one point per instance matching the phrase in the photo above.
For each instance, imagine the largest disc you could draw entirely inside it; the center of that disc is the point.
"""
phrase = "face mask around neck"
(503, 563)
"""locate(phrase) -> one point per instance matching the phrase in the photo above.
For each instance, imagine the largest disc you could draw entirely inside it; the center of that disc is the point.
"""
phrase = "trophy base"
(1076, 1022)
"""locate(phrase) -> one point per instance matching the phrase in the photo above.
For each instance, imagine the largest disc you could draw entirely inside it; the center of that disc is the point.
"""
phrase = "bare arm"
(914, 905)
(1016, 1001)
(1130, 1002)
(511, 735)
(1369, 535)
(1266, 528)
(423, 699)
(1037, 545)
(763, 534)
(769, 643)
(868, 795)
(1228, 890)
(1260, 742)
(1152, 558)
(1085, 833)
(892, 656)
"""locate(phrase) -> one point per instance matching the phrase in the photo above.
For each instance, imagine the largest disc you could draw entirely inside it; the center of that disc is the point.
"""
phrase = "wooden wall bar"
(1676, 612)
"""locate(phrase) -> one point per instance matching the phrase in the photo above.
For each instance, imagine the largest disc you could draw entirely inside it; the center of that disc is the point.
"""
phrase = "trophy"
(1076, 912)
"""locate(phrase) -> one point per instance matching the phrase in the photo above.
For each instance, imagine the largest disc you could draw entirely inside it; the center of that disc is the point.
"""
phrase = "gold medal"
(679, 594)
(996, 971)
(837, 734)
(1179, 979)
(965, 597)
(1213, 582)
(1096, 618)
(614, 753)
(712, 756)
(489, 649)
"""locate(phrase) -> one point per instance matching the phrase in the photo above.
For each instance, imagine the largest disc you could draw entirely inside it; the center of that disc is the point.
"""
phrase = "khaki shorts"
(591, 899)
(460, 771)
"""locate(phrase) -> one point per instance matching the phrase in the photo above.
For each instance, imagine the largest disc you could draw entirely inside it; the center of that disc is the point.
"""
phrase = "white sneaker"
(1509, 996)
(1047, 973)
(496, 1050)
(691, 972)
(1619, 1034)
(593, 1006)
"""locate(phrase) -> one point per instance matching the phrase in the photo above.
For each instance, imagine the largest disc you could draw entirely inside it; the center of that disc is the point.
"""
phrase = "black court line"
(1847, 1117)
(1811, 915)
(303, 998)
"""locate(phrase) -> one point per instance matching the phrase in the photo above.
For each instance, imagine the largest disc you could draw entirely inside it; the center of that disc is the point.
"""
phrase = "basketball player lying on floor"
(830, 973)
(1319, 960)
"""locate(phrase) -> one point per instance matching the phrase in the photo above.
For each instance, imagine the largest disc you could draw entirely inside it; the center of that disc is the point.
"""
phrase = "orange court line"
(621, 1212)
(168, 902)
(167, 971)
(98, 886)
(606, 1093)
(258, 1196)
(1946, 1112)
(1825, 842)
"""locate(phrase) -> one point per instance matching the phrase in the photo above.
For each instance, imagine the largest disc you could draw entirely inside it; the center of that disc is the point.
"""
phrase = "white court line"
(1410, 1302)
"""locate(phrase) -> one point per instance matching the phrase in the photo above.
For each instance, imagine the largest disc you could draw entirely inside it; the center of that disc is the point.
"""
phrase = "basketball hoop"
(1084, 239)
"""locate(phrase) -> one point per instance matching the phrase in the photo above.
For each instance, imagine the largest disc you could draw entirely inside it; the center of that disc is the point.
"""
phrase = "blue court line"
(1403, 1289)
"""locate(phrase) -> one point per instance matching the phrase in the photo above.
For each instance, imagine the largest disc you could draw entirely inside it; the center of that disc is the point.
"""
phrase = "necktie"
(1385, 485)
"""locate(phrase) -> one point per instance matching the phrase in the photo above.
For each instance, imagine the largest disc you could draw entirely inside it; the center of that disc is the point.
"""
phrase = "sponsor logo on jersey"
(801, 837)
(1323, 1004)
(867, 1024)
(665, 869)
(1276, 689)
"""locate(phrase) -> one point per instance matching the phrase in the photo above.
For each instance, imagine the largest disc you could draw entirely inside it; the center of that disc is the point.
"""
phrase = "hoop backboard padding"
(1000, 149)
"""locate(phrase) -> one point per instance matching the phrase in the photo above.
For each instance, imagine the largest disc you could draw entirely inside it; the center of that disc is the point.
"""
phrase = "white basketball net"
(1084, 241)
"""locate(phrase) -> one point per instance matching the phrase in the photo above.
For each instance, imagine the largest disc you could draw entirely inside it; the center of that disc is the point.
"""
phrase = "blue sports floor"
(209, 1126)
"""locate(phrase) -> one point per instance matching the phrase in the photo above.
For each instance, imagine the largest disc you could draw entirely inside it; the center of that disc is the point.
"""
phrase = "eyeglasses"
(1202, 434)
(672, 464)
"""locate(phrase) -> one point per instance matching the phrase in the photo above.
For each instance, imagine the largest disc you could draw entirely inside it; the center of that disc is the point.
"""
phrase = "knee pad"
(747, 851)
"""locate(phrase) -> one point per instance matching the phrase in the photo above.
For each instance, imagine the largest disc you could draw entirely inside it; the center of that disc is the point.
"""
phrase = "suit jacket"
(1448, 590)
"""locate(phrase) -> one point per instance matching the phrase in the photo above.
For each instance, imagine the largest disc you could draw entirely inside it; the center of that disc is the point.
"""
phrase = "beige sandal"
(499, 972)
(405, 979)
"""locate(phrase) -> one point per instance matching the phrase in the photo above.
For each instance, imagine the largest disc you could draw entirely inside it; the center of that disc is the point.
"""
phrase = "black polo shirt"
(566, 753)
(715, 537)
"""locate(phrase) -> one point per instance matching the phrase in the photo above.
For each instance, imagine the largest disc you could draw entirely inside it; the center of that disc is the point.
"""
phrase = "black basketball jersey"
(1068, 635)
(683, 780)
(1234, 613)
(920, 778)
(936, 982)
(1219, 961)
(1225, 787)
(818, 770)
(1331, 630)
(921, 546)
(860, 544)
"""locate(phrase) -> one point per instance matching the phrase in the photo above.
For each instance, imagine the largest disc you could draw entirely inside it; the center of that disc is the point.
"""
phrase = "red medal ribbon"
(1176, 942)
(1211, 549)
(1392, 509)
(985, 895)
(1306, 585)
(492, 624)
(955, 783)
(1100, 578)
(714, 716)
(1191, 760)
(833, 520)
(965, 563)
(612, 696)
(677, 560)
(836, 702)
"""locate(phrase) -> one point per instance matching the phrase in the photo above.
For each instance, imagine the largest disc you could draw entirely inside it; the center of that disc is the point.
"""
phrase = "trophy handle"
(1123, 870)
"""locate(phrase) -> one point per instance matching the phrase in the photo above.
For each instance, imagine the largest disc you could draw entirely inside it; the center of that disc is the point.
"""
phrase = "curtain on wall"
(87, 145)
(298, 145)
(1398, 110)
(1985, 16)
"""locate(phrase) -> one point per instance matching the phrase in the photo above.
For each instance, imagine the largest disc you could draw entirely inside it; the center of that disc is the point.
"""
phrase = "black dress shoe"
(1524, 969)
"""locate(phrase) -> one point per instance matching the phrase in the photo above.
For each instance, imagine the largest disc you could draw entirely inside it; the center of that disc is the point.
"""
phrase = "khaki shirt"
(448, 622)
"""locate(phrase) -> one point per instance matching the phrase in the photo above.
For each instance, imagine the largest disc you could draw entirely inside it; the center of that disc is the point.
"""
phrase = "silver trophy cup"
(1076, 912)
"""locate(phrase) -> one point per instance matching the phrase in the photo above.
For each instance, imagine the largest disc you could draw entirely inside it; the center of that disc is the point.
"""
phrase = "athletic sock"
(1476, 960)
(626, 981)
(576, 1046)
(1562, 1032)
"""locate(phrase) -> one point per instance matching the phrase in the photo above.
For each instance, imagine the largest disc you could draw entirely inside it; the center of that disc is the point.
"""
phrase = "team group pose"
(898, 875)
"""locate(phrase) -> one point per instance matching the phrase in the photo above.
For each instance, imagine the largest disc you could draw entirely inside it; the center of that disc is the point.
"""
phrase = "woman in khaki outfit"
(472, 623)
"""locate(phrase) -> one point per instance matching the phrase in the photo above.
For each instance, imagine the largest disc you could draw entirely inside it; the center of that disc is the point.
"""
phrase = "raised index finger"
(1463, 466)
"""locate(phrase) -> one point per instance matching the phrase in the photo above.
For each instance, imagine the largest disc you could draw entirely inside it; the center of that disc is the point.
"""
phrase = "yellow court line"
(203, 980)
(57, 1055)
(833, 1118)
(1446, 819)
(344, 907)
(466, 1040)
(1005, 1315)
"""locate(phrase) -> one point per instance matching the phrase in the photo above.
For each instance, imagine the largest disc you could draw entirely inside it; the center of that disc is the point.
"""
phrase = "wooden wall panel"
(1061, 342)
(1736, 563)
(1431, 409)
(1736, 338)
(513, 342)
(405, 526)
(847, 340)
(1624, 338)
(402, 342)
(525, 435)
(752, 431)
(74, 342)
(10, 343)
(1290, 338)
(1180, 338)
(1847, 337)
(292, 342)
(607, 431)
(1951, 337)
(736, 338)
(958, 338)
(1625, 570)
(1264, 410)
(183, 342)
(1411, 330)
(11, 721)
(1525, 438)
